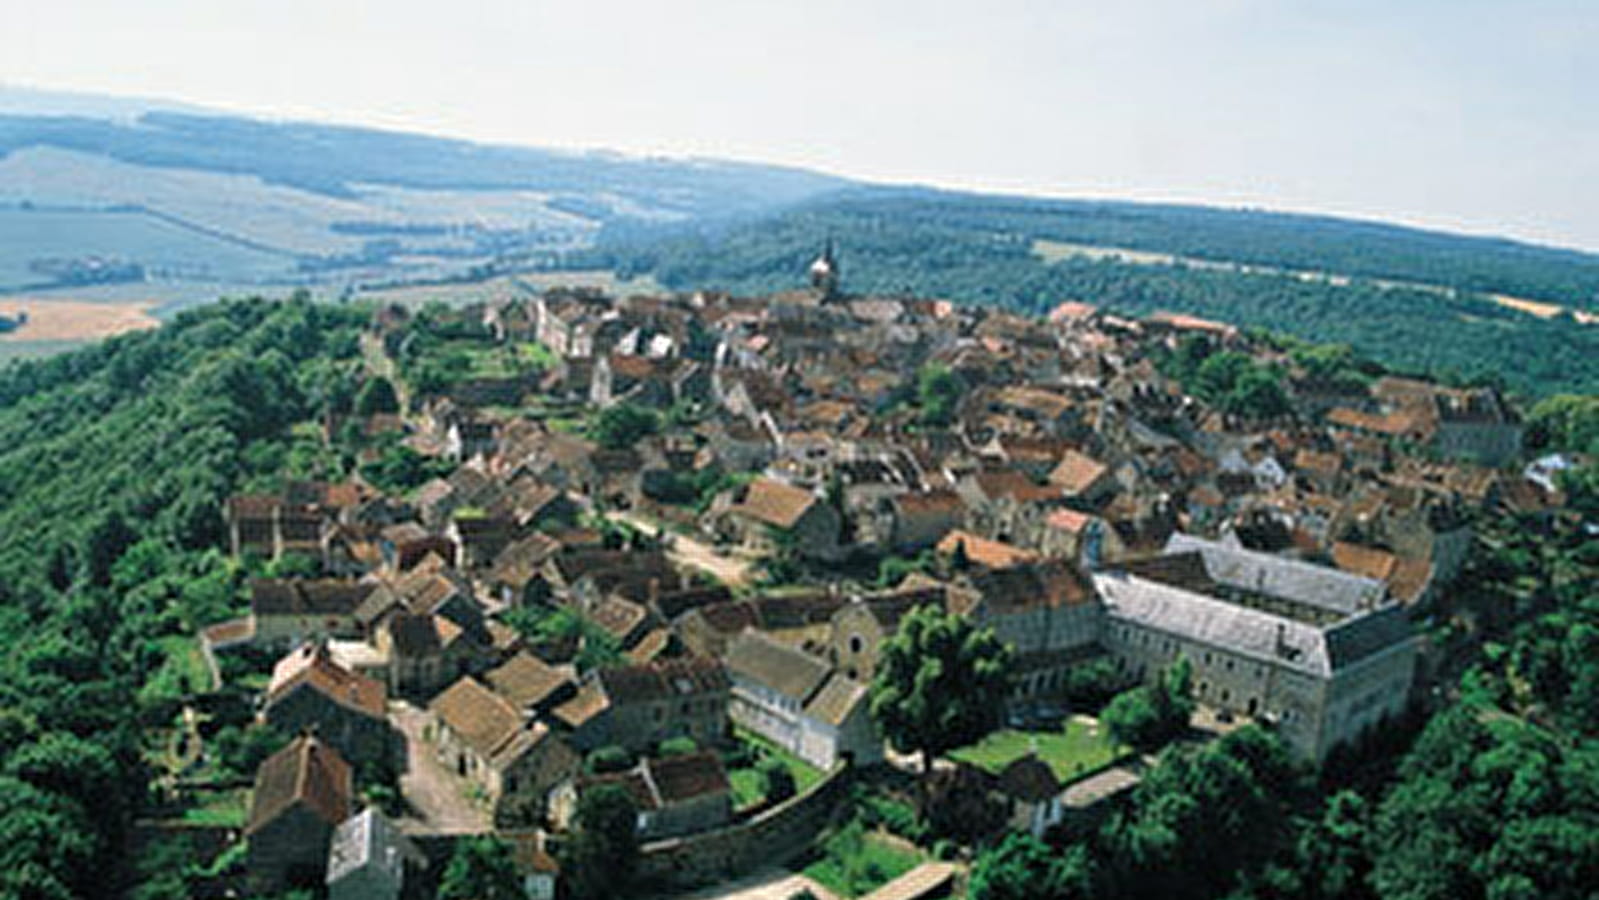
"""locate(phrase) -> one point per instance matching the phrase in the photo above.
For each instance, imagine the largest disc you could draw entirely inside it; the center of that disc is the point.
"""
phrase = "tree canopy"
(940, 683)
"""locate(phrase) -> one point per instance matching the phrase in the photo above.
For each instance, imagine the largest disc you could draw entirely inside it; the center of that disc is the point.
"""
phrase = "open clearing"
(75, 320)
(1080, 748)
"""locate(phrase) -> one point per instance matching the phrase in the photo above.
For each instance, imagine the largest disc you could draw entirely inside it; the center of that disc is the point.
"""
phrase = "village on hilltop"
(659, 543)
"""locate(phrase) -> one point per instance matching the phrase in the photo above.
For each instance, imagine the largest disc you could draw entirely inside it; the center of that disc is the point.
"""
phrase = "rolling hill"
(139, 200)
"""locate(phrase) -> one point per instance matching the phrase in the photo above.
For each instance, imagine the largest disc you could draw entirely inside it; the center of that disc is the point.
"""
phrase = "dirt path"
(378, 363)
(733, 571)
(437, 796)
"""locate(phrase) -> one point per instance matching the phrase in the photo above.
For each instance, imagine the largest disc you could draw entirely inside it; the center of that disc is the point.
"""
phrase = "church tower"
(824, 273)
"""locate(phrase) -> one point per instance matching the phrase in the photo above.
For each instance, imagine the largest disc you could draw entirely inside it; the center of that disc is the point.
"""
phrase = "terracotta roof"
(486, 721)
(678, 779)
(1316, 461)
(1368, 561)
(775, 503)
(306, 773)
(984, 552)
(664, 680)
(1394, 424)
(1071, 311)
(1410, 578)
(589, 702)
(1068, 520)
(1077, 472)
(1186, 322)
(526, 680)
(310, 665)
(1048, 584)
(1016, 485)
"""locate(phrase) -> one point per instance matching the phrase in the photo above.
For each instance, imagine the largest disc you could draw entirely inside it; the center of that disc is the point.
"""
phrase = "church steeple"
(824, 272)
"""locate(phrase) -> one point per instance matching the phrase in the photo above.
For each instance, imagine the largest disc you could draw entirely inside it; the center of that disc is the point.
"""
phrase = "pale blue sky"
(1475, 115)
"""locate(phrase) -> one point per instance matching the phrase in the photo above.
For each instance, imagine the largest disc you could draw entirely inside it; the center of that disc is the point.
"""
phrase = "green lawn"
(1072, 752)
(749, 788)
(219, 808)
(182, 672)
(854, 862)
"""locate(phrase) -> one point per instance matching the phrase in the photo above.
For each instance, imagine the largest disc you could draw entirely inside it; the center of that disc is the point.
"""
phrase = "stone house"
(514, 760)
(426, 652)
(1083, 480)
(1086, 540)
(919, 520)
(857, 630)
(675, 796)
(302, 793)
(767, 514)
(309, 690)
(289, 611)
(639, 706)
(1046, 612)
(799, 702)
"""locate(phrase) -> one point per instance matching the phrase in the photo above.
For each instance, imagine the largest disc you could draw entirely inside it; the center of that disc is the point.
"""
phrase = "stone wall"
(772, 837)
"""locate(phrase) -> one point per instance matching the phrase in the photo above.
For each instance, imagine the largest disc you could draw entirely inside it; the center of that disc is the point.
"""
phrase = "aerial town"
(668, 549)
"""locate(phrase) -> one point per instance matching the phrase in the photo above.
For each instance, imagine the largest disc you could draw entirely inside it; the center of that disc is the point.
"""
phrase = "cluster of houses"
(1074, 499)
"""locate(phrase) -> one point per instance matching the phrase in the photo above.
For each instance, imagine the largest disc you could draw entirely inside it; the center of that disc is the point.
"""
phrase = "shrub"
(779, 781)
(609, 759)
(678, 746)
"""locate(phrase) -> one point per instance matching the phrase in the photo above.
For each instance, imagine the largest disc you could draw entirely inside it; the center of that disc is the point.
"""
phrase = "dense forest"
(982, 251)
(114, 462)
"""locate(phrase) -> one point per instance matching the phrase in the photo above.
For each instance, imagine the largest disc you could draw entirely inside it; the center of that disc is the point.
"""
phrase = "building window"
(856, 645)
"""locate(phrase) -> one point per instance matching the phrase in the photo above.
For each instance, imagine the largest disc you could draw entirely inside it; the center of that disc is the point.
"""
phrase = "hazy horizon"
(1471, 116)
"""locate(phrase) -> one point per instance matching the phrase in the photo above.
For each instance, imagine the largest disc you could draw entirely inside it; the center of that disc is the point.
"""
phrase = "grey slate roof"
(1218, 623)
(1264, 573)
(782, 668)
(367, 839)
(837, 699)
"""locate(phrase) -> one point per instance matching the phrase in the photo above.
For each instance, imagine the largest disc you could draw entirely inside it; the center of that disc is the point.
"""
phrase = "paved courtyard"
(436, 796)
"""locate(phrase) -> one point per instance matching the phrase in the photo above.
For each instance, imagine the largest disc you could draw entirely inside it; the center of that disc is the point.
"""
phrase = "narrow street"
(436, 796)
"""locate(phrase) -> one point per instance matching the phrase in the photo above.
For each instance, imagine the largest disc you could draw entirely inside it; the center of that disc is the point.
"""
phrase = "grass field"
(854, 862)
(1076, 750)
(226, 809)
(182, 672)
(158, 245)
(749, 788)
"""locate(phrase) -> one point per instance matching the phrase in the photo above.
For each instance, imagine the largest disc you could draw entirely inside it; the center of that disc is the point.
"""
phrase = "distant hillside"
(125, 194)
(985, 250)
(337, 203)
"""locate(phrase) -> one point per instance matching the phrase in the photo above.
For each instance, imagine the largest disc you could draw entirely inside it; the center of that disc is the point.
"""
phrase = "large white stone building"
(1321, 654)
(801, 703)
